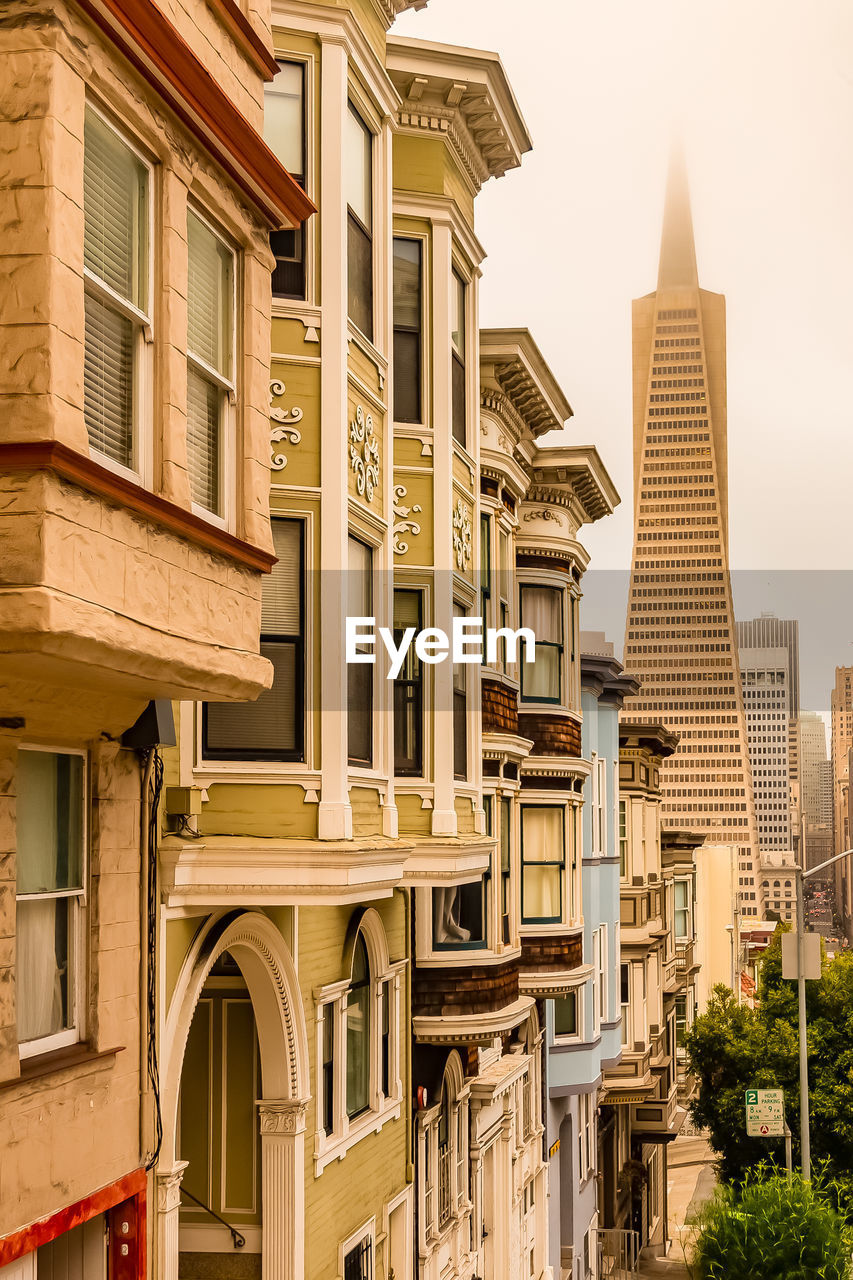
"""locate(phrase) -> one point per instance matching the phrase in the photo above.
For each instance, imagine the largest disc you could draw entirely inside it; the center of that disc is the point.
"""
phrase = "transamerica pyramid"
(680, 638)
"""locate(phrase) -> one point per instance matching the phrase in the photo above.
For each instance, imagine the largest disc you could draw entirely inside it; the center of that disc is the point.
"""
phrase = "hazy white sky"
(762, 94)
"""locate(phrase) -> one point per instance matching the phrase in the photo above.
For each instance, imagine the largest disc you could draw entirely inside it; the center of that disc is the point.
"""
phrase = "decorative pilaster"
(168, 1220)
(282, 1124)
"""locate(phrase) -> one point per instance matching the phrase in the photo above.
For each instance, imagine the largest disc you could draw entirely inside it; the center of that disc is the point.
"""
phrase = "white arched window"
(443, 1154)
(357, 1042)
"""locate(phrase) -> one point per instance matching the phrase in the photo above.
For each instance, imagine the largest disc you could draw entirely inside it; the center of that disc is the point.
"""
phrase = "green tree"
(732, 1048)
(773, 1227)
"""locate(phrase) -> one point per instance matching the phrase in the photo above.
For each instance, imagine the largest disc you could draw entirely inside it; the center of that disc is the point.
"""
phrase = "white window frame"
(587, 1108)
(688, 936)
(365, 1232)
(428, 1121)
(346, 1132)
(227, 386)
(141, 426)
(76, 950)
(625, 1007)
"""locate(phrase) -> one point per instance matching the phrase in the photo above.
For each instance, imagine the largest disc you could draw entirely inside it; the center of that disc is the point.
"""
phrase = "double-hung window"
(506, 864)
(543, 862)
(284, 133)
(458, 298)
(210, 365)
(358, 154)
(542, 611)
(623, 838)
(566, 1015)
(408, 689)
(625, 1002)
(360, 674)
(272, 727)
(408, 342)
(504, 591)
(50, 898)
(460, 711)
(116, 266)
(459, 916)
(485, 570)
(682, 910)
(358, 1016)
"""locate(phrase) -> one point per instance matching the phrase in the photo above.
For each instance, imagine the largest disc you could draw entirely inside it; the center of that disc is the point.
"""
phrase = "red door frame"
(124, 1201)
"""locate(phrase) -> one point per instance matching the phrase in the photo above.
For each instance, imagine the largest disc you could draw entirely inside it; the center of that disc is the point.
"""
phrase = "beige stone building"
(136, 200)
(681, 640)
(841, 742)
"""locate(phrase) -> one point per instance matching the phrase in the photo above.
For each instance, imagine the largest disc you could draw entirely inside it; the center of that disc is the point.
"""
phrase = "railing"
(618, 1253)
(683, 957)
(237, 1237)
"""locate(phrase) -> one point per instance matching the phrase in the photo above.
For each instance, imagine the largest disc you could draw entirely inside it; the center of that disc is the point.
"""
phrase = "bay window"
(542, 611)
(485, 570)
(116, 270)
(273, 726)
(625, 1002)
(210, 364)
(284, 134)
(358, 177)
(408, 689)
(504, 591)
(408, 341)
(623, 838)
(360, 674)
(543, 861)
(458, 298)
(50, 898)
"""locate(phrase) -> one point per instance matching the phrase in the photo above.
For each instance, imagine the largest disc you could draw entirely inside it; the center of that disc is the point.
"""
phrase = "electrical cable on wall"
(155, 790)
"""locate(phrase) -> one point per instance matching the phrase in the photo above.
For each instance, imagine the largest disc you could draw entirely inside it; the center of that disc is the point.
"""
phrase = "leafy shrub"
(773, 1227)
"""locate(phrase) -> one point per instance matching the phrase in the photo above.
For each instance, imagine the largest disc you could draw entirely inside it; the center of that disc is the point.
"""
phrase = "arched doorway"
(237, 971)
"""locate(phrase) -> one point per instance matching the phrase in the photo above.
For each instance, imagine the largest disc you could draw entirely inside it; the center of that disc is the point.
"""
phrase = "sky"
(761, 94)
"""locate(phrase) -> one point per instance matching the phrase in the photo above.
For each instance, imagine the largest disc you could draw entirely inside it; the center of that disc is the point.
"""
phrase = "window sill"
(66, 1059)
(336, 1148)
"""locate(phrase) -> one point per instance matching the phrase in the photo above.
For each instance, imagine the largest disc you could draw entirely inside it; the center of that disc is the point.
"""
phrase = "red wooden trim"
(127, 1240)
(148, 40)
(245, 35)
(47, 1229)
(52, 455)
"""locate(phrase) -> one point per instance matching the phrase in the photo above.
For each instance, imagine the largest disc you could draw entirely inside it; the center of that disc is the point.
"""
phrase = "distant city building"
(779, 884)
(766, 695)
(841, 706)
(681, 641)
(815, 790)
(770, 632)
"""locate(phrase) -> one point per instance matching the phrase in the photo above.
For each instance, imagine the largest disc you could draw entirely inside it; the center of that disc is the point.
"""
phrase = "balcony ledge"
(552, 985)
(474, 1028)
(257, 871)
(447, 860)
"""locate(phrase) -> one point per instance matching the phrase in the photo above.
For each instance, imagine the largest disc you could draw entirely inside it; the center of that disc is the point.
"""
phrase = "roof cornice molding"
(465, 94)
(581, 468)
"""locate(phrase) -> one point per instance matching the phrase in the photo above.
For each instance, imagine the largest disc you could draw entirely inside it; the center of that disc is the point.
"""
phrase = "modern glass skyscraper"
(681, 640)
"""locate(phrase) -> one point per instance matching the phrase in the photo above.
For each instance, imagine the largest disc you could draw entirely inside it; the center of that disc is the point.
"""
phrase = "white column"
(444, 812)
(283, 1182)
(168, 1220)
(334, 814)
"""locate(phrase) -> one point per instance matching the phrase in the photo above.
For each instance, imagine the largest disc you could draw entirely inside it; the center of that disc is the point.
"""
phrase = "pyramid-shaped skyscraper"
(681, 640)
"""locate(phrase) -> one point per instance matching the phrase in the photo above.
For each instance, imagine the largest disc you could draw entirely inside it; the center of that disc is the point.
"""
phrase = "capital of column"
(169, 1186)
(282, 1115)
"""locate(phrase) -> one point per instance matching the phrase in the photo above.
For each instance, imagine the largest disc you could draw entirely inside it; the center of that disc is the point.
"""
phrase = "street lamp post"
(805, 1134)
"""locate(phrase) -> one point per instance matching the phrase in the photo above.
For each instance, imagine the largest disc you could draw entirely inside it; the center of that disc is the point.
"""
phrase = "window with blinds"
(359, 589)
(115, 259)
(273, 727)
(210, 361)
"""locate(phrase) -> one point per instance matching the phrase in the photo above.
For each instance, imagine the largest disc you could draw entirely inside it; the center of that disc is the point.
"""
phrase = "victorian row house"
(311, 963)
(137, 199)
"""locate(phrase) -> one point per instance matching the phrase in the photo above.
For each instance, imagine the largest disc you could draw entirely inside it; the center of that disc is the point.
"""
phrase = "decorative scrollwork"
(547, 514)
(401, 523)
(462, 537)
(288, 432)
(364, 453)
